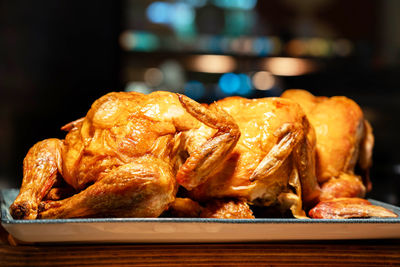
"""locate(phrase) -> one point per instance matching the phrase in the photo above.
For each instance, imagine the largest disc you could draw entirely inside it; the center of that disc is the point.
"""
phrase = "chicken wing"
(344, 208)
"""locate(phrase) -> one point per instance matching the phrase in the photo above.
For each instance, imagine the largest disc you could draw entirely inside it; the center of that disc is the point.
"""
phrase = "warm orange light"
(286, 66)
(212, 63)
(297, 47)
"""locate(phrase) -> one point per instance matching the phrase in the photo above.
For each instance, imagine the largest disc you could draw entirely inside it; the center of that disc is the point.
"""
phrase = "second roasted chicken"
(272, 164)
(344, 140)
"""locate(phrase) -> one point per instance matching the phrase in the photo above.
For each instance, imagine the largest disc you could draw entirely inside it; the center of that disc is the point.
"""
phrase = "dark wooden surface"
(351, 253)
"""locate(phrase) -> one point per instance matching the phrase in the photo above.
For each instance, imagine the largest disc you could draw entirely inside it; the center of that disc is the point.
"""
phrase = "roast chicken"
(124, 158)
(272, 165)
(344, 140)
(163, 154)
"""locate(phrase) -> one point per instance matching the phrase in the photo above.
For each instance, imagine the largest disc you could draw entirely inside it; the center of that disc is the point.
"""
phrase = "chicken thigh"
(124, 156)
(272, 163)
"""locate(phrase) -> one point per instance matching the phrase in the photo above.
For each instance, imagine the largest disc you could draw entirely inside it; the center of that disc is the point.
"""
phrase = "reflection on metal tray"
(194, 229)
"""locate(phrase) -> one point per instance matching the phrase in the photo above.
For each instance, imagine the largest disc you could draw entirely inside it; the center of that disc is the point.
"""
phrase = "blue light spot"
(214, 44)
(237, 22)
(236, 4)
(159, 12)
(262, 46)
(196, 3)
(194, 89)
(182, 15)
(145, 41)
(246, 4)
(245, 85)
(229, 83)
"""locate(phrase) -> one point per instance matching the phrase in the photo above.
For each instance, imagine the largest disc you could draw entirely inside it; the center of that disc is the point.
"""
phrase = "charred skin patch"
(20, 211)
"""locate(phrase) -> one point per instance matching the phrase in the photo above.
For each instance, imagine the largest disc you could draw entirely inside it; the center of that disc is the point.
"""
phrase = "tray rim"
(5, 218)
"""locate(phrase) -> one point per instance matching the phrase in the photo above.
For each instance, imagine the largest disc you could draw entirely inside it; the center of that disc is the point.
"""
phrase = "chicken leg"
(142, 188)
(42, 164)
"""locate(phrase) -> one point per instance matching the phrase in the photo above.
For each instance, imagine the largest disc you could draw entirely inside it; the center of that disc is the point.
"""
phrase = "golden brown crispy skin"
(216, 208)
(124, 155)
(343, 139)
(185, 207)
(340, 129)
(343, 186)
(41, 167)
(344, 208)
(272, 163)
(210, 154)
(227, 209)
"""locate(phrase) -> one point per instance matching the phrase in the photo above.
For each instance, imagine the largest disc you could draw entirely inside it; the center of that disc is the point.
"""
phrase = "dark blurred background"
(57, 57)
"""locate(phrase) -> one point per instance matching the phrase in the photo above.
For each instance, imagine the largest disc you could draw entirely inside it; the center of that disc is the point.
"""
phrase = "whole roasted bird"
(344, 140)
(123, 158)
(272, 165)
(281, 159)
(131, 152)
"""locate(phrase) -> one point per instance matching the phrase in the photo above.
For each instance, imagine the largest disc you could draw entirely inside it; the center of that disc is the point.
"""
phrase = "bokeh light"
(318, 47)
(212, 63)
(245, 87)
(236, 4)
(238, 22)
(286, 66)
(174, 76)
(263, 80)
(153, 77)
(195, 3)
(262, 46)
(229, 83)
(181, 14)
(127, 40)
(139, 41)
(159, 12)
(297, 48)
(139, 87)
